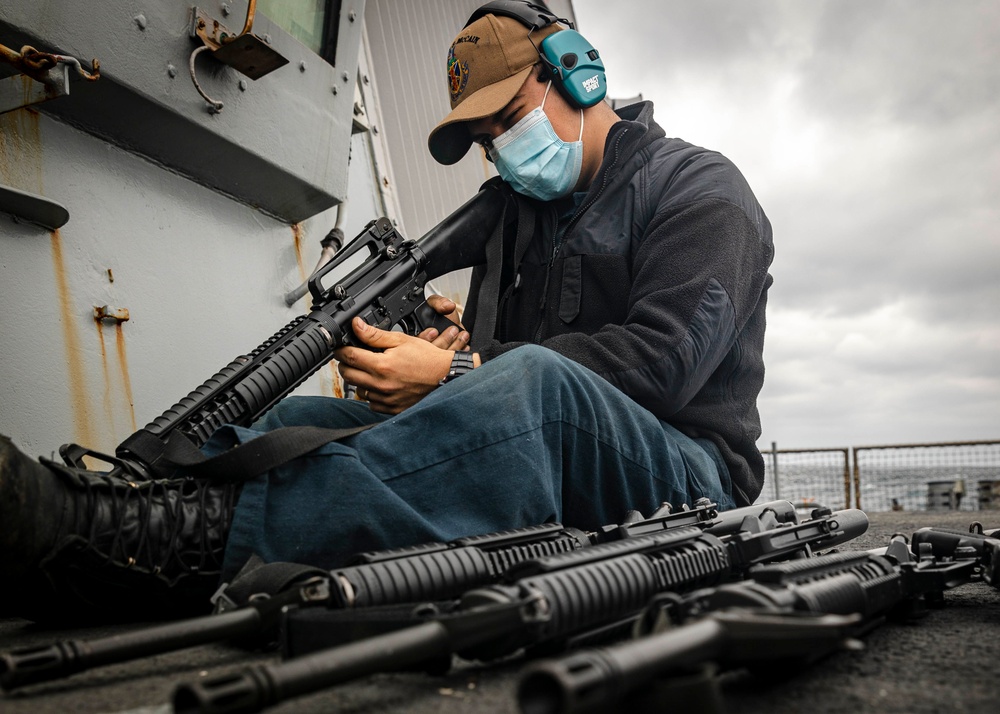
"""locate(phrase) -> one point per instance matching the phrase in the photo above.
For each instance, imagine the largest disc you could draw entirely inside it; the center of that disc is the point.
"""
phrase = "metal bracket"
(245, 52)
(32, 208)
(41, 76)
(23, 91)
(360, 121)
(114, 314)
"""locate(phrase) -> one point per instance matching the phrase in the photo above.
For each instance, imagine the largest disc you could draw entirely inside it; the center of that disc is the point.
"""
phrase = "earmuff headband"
(573, 64)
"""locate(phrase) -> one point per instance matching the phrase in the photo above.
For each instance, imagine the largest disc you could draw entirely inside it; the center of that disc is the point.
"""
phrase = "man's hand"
(404, 372)
(454, 338)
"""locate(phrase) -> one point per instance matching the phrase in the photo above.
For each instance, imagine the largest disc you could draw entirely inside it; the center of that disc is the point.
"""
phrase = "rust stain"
(21, 150)
(100, 335)
(36, 139)
(297, 238)
(83, 420)
(338, 386)
(126, 379)
(108, 411)
(6, 160)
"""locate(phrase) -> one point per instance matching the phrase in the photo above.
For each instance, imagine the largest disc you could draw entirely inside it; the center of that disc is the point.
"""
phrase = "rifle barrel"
(32, 665)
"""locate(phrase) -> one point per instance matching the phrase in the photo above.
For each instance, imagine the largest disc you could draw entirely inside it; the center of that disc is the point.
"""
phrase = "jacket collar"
(633, 132)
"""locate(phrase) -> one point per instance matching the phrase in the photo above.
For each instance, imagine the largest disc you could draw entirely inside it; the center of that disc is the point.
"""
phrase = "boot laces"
(149, 519)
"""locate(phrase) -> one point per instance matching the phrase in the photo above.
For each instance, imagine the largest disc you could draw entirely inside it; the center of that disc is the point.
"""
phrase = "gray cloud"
(913, 62)
(869, 129)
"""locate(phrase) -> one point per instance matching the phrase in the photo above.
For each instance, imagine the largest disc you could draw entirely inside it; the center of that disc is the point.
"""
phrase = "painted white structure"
(197, 223)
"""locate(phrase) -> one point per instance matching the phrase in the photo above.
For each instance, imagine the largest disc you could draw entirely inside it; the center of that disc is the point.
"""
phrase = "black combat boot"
(79, 546)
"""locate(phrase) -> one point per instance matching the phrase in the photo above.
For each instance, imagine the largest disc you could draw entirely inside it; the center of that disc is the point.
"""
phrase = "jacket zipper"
(557, 244)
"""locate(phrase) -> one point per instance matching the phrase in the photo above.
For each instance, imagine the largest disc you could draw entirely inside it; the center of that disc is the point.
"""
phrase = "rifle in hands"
(386, 290)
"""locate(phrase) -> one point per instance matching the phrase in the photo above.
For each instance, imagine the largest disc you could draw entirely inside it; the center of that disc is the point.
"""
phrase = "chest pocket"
(594, 291)
(572, 288)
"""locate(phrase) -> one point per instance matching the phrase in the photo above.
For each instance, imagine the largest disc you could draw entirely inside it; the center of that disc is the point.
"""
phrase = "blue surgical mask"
(532, 158)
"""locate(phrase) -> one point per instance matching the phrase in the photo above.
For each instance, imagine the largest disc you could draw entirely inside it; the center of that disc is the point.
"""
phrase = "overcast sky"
(870, 132)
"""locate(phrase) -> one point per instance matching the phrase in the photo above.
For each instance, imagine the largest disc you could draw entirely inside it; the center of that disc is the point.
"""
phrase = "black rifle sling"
(257, 577)
(488, 299)
(252, 458)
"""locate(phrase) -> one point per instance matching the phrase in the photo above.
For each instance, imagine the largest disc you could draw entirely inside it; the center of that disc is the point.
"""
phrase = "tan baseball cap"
(487, 64)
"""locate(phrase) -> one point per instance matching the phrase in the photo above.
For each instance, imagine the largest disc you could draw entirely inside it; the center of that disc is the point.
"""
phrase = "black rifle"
(431, 571)
(545, 600)
(386, 290)
(786, 614)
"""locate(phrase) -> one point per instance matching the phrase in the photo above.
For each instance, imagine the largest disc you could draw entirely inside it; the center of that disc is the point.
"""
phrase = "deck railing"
(961, 475)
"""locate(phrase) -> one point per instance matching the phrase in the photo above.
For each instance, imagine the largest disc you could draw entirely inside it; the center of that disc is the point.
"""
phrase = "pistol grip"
(425, 316)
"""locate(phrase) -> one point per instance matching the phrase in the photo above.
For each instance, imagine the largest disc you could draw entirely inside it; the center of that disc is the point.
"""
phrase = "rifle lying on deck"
(432, 571)
(386, 290)
(554, 601)
(782, 616)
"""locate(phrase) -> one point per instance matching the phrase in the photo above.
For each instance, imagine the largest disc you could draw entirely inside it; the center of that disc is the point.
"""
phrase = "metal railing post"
(847, 479)
(857, 481)
(774, 468)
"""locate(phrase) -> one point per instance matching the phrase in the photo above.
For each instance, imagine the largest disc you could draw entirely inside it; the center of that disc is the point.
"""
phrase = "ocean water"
(915, 488)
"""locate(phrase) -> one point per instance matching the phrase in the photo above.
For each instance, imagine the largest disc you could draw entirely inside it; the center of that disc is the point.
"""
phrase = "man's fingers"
(460, 342)
(374, 337)
(441, 305)
(453, 338)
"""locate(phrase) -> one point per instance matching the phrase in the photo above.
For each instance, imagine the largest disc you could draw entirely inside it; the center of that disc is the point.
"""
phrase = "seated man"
(616, 359)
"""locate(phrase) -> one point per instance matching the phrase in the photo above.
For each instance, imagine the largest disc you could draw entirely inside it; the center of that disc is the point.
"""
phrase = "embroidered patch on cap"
(458, 75)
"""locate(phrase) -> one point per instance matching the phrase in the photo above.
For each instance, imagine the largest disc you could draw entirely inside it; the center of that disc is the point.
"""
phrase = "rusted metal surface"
(214, 34)
(37, 64)
(149, 217)
(126, 380)
(245, 52)
(123, 366)
(297, 236)
(251, 11)
(109, 412)
(42, 76)
(21, 153)
(22, 91)
(115, 314)
(338, 383)
(83, 418)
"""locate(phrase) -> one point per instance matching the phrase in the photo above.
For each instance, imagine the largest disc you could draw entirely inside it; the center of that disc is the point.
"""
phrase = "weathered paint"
(106, 312)
(202, 274)
(297, 243)
(338, 383)
(123, 366)
(21, 151)
(35, 65)
(83, 418)
(330, 384)
(329, 381)
(107, 402)
(118, 316)
(109, 413)
(242, 154)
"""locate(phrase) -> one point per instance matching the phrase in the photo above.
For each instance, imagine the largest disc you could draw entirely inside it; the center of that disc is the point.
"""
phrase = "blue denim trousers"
(529, 437)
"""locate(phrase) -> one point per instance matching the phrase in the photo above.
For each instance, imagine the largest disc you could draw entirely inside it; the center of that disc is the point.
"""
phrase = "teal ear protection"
(573, 64)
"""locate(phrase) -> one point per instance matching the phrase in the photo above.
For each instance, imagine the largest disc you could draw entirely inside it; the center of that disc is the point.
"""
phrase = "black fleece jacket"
(658, 283)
